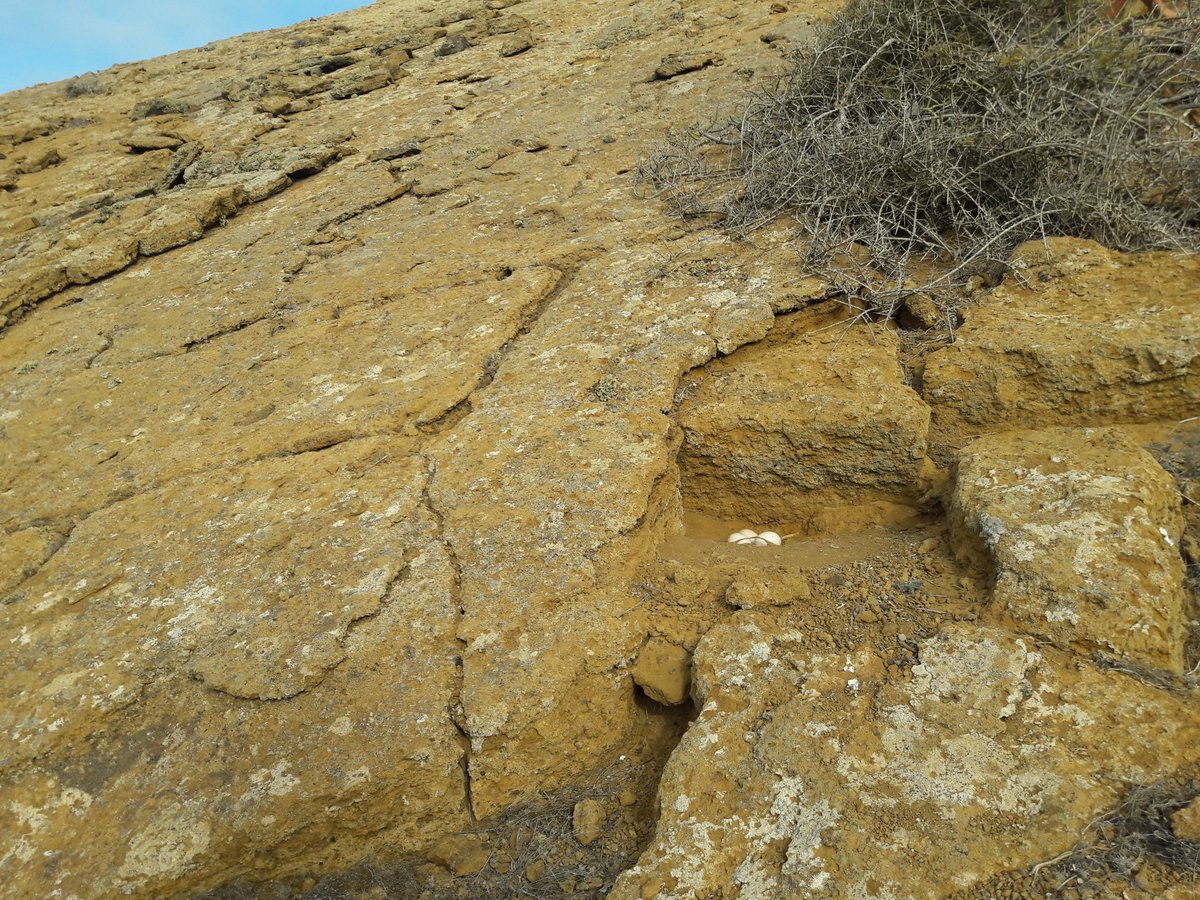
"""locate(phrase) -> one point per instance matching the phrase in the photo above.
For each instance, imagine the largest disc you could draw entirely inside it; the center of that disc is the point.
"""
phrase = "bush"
(83, 85)
(159, 106)
(1137, 831)
(926, 140)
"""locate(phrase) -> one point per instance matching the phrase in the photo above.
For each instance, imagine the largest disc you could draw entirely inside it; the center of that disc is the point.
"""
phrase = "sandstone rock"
(535, 870)
(183, 217)
(1082, 529)
(180, 160)
(682, 63)
(293, 161)
(33, 164)
(324, 64)
(150, 139)
(456, 43)
(838, 780)
(395, 151)
(1087, 338)
(26, 281)
(24, 130)
(507, 24)
(106, 254)
(255, 186)
(435, 184)
(686, 584)
(208, 166)
(171, 227)
(663, 671)
(159, 106)
(415, 40)
(276, 104)
(518, 43)
(21, 554)
(775, 586)
(309, 765)
(919, 311)
(587, 821)
(346, 519)
(462, 854)
(1186, 822)
(803, 427)
(357, 83)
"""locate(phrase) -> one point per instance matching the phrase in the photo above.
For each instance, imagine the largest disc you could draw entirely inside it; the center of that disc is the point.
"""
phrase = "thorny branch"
(919, 144)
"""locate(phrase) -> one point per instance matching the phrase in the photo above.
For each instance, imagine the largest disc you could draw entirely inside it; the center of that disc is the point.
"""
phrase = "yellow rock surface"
(363, 420)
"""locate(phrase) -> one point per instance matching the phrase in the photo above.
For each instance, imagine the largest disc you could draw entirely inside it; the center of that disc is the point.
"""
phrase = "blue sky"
(48, 40)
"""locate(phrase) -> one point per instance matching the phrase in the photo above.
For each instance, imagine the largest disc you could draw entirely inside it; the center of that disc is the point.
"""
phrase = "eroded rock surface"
(814, 426)
(1083, 530)
(1079, 335)
(135, 696)
(818, 774)
(325, 375)
(363, 429)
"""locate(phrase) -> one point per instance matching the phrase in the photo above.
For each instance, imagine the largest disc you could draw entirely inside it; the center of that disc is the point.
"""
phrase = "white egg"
(735, 537)
(771, 538)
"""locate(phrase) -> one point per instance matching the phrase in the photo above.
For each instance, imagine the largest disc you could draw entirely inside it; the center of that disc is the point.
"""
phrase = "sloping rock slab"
(1082, 529)
(138, 669)
(1086, 336)
(818, 776)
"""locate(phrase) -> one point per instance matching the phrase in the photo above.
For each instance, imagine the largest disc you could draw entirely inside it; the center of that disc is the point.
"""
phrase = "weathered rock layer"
(369, 444)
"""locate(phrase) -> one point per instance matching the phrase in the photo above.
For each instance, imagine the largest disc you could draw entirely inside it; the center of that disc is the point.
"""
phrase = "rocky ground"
(370, 439)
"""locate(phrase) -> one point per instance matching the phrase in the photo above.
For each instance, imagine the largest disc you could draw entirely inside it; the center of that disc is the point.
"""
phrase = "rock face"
(143, 745)
(368, 446)
(1083, 531)
(663, 671)
(293, 413)
(1084, 336)
(811, 774)
(813, 427)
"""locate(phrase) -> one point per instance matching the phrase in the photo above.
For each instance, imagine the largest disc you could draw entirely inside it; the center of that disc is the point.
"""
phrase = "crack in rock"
(457, 710)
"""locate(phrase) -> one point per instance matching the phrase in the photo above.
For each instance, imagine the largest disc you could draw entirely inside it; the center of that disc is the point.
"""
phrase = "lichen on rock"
(370, 443)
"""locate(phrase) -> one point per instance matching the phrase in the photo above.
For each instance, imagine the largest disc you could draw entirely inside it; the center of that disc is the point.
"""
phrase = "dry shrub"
(923, 141)
(1136, 832)
(1130, 851)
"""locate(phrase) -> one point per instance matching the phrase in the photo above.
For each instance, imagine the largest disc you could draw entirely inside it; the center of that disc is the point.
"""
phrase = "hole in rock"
(705, 537)
(810, 433)
(676, 718)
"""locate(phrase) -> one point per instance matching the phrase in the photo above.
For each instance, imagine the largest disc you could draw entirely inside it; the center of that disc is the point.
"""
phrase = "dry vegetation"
(917, 144)
(1137, 831)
